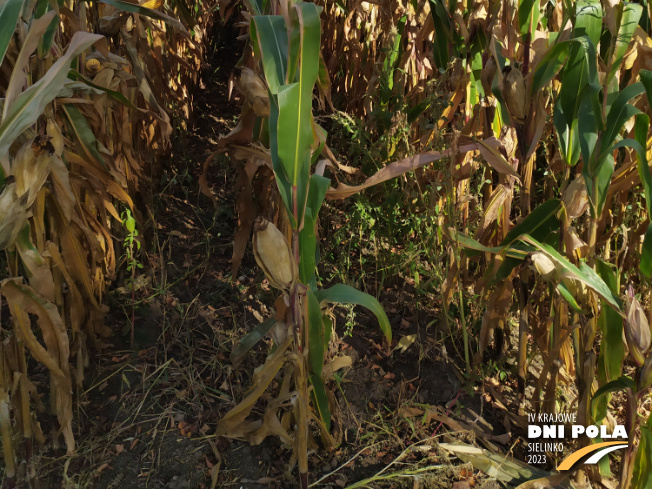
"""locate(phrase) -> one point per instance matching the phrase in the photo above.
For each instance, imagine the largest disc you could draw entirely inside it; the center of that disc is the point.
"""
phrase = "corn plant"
(287, 48)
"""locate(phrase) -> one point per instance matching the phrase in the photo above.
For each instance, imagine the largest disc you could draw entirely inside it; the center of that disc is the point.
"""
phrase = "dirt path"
(148, 413)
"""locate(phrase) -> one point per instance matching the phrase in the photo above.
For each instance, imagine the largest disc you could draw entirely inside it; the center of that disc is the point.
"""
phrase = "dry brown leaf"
(395, 169)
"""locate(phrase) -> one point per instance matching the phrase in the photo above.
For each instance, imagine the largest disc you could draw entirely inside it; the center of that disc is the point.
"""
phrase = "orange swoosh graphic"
(572, 459)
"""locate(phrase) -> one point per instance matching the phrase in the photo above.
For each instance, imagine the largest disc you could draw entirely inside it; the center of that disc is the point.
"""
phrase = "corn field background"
(270, 243)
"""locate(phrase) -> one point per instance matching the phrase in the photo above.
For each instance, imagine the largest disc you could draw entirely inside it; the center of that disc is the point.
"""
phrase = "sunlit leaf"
(345, 294)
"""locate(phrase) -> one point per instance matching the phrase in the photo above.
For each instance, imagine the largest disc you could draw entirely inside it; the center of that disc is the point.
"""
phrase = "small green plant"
(131, 245)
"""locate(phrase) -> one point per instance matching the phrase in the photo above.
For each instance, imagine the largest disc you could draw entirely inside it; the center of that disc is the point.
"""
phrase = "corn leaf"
(588, 20)
(29, 105)
(84, 134)
(550, 64)
(269, 37)
(345, 294)
(251, 339)
(294, 124)
(308, 249)
(583, 273)
(612, 349)
(529, 12)
(9, 13)
(619, 113)
(642, 475)
(631, 13)
(619, 384)
(38, 270)
(18, 74)
(321, 400)
(444, 34)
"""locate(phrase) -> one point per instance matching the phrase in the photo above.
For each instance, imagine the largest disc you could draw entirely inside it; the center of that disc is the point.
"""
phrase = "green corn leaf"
(29, 105)
(639, 145)
(475, 84)
(294, 124)
(539, 223)
(443, 34)
(318, 187)
(641, 129)
(646, 80)
(619, 384)
(587, 121)
(583, 273)
(588, 20)
(84, 134)
(321, 400)
(114, 94)
(251, 339)
(620, 112)
(597, 183)
(550, 64)
(529, 12)
(642, 475)
(471, 244)
(269, 37)
(9, 13)
(579, 73)
(345, 294)
(282, 181)
(389, 64)
(568, 136)
(631, 13)
(307, 250)
(640, 133)
(646, 254)
(612, 349)
(315, 335)
(568, 295)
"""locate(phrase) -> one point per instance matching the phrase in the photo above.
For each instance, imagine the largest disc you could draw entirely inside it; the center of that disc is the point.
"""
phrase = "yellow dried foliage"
(84, 122)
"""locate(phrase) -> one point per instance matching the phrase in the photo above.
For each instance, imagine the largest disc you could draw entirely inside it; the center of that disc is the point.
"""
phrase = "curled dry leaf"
(342, 191)
(23, 300)
(13, 215)
(31, 167)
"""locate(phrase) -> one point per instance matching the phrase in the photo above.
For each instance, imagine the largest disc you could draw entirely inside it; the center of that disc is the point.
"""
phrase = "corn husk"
(637, 328)
(514, 93)
(254, 91)
(576, 198)
(273, 254)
